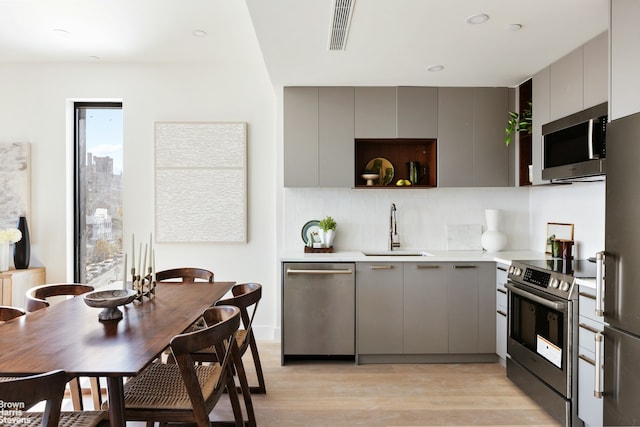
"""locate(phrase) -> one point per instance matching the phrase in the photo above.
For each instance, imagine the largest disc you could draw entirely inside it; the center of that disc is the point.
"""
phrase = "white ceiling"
(391, 42)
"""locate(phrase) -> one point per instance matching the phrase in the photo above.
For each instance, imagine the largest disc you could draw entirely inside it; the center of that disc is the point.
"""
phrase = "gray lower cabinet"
(426, 318)
(379, 289)
(501, 311)
(472, 306)
(425, 308)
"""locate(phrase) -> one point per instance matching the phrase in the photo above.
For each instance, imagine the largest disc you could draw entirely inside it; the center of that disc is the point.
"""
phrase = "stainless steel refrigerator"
(622, 274)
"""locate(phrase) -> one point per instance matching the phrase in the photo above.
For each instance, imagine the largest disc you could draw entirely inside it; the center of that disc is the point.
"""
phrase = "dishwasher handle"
(313, 271)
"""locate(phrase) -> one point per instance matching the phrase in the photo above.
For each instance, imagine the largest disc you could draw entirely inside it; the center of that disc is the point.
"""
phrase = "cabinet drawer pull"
(293, 271)
(586, 295)
(587, 359)
(501, 268)
(501, 313)
(381, 267)
(589, 328)
(424, 267)
(502, 291)
(464, 266)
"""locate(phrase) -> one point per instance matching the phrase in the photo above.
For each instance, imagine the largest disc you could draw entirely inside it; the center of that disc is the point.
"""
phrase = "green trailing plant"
(518, 123)
(327, 224)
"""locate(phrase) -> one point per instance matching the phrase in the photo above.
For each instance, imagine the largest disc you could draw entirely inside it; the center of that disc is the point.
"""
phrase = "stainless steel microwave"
(575, 146)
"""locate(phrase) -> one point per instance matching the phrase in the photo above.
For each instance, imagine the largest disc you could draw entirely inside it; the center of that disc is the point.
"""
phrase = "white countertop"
(504, 257)
(590, 283)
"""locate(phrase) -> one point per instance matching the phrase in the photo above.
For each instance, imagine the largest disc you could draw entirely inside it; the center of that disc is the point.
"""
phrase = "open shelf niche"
(399, 152)
(524, 138)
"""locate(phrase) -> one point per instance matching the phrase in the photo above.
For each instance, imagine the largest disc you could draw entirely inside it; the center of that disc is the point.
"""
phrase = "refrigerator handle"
(599, 284)
(597, 380)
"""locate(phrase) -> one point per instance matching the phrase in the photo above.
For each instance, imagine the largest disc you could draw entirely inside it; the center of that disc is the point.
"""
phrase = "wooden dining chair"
(48, 387)
(185, 392)
(186, 275)
(246, 297)
(7, 313)
(36, 299)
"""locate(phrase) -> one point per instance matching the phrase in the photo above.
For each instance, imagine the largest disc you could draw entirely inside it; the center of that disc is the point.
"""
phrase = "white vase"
(493, 240)
(326, 237)
(4, 256)
(329, 235)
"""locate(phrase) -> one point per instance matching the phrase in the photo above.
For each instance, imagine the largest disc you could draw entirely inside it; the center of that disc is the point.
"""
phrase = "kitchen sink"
(396, 253)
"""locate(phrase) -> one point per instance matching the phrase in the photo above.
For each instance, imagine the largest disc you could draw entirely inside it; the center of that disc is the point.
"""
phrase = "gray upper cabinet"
(455, 137)
(335, 136)
(301, 137)
(417, 112)
(566, 84)
(471, 149)
(624, 61)
(318, 137)
(596, 71)
(396, 112)
(490, 154)
(375, 112)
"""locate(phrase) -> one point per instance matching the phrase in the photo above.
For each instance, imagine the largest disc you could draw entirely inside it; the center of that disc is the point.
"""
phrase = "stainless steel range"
(542, 337)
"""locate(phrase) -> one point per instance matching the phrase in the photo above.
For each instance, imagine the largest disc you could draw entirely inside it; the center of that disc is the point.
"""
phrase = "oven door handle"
(556, 305)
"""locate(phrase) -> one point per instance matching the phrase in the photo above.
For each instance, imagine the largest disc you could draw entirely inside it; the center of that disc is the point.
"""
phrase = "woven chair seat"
(161, 386)
(241, 335)
(67, 419)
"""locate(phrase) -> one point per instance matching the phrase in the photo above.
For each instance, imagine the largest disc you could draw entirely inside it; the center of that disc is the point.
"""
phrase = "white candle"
(124, 273)
(133, 252)
(144, 264)
(153, 265)
(140, 259)
(150, 249)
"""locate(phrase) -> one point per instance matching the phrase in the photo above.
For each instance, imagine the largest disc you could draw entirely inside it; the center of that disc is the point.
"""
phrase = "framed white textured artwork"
(200, 182)
(15, 182)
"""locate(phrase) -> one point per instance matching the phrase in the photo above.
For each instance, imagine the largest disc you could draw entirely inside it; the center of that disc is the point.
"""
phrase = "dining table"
(69, 336)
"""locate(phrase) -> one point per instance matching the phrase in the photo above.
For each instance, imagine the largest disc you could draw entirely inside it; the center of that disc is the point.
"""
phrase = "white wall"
(33, 99)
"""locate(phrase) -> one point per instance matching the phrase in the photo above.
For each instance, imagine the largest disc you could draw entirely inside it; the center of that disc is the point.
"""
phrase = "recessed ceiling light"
(435, 68)
(513, 27)
(480, 18)
(199, 33)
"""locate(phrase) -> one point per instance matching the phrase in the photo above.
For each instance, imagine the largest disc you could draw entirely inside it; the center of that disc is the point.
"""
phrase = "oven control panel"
(556, 284)
(535, 277)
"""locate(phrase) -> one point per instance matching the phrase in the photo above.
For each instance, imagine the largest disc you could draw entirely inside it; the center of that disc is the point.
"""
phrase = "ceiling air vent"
(340, 21)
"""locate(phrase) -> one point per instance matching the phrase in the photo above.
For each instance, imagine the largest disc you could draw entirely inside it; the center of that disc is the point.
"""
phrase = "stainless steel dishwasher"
(318, 310)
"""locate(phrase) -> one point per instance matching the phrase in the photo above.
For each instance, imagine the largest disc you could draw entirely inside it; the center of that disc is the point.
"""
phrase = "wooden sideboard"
(14, 284)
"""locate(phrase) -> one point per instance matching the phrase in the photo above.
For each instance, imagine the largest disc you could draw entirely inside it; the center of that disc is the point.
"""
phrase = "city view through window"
(99, 245)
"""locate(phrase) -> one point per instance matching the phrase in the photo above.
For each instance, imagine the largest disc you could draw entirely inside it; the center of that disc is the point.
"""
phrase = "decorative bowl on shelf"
(369, 177)
(109, 301)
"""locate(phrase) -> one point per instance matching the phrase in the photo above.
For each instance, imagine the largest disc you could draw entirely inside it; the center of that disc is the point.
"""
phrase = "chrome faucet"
(394, 237)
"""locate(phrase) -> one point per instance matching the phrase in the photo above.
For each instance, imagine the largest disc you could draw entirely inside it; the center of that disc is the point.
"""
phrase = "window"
(98, 193)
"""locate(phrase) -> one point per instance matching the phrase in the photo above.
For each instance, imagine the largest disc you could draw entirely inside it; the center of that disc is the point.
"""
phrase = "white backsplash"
(581, 204)
(423, 215)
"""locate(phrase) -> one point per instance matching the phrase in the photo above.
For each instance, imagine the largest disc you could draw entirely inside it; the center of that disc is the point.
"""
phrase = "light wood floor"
(325, 394)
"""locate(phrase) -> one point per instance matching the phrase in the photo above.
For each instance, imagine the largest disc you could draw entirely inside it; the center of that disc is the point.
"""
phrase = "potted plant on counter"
(327, 231)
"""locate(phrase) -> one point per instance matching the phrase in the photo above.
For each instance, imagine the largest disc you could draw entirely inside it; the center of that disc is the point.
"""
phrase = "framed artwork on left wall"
(15, 182)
